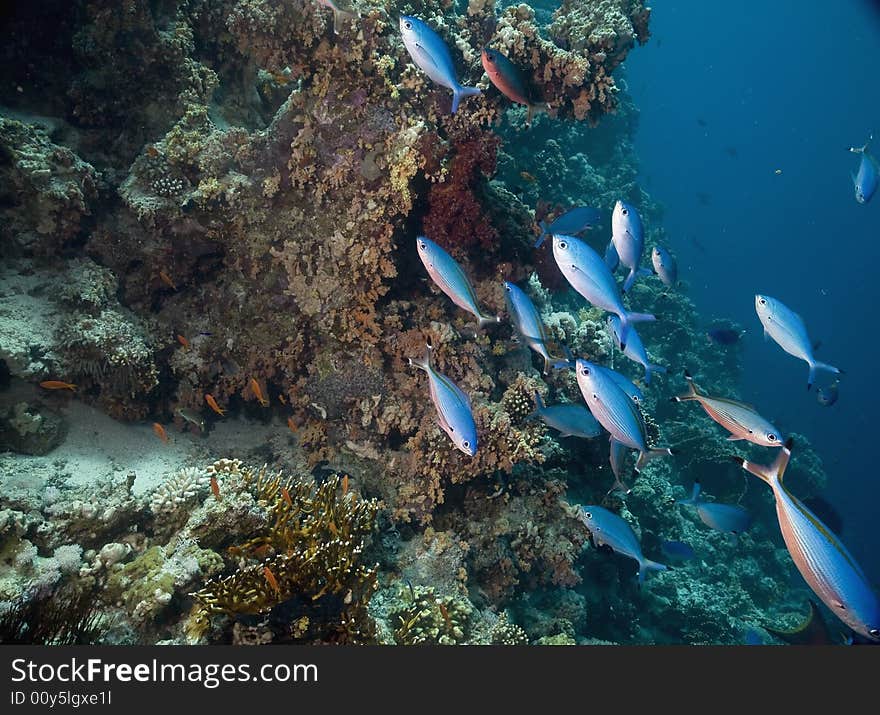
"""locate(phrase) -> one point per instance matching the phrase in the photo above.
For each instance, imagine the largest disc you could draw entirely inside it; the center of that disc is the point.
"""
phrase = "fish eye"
(771, 437)
(423, 245)
(624, 212)
(595, 396)
(507, 288)
(585, 371)
(874, 632)
(466, 444)
(762, 301)
(588, 515)
(408, 25)
(636, 399)
(563, 245)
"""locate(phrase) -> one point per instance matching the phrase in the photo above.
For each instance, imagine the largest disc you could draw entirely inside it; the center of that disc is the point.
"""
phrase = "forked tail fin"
(769, 473)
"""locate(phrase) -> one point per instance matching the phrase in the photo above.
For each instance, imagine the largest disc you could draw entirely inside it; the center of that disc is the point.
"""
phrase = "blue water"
(781, 85)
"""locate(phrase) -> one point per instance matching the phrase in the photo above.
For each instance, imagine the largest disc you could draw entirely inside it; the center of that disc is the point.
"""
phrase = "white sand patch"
(98, 447)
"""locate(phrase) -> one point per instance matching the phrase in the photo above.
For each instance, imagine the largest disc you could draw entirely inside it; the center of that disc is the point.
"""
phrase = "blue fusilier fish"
(617, 458)
(430, 53)
(570, 420)
(822, 559)
(587, 273)
(827, 396)
(570, 223)
(528, 323)
(608, 529)
(453, 406)
(628, 386)
(677, 551)
(728, 518)
(616, 411)
(664, 266)
(789, 332)
(738, 418)
(628, 237)
(635, 350)
(866, 180)
(451, 279)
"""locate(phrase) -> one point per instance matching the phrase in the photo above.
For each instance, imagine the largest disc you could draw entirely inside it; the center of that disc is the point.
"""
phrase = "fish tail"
(460, 92)
(426, 363)
(646, 565)
(695, 494)
(862, 149)
(693, 390)
(543, 235)
(533, 109)
(337, 16)
(769, 473)
(651, 369)
(485, 320)
(649, 454)
(626, 318)
(816, 365)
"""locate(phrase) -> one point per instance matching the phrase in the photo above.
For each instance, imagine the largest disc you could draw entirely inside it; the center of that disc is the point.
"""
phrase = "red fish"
(507, 78)
(57, 385)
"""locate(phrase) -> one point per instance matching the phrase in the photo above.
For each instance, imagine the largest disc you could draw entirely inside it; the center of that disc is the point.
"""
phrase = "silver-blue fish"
(430, 53)
(608, 529)
(728, 518)
(822, 559)
(451, 279)
(635, 349)
(616, 411)
(587, 273)
(453, 406)
(628, 237)
(664, 266)
(866, 180)
(788, 331)
(625, 384)
(570, 420)
(570, 223)
(528, 323)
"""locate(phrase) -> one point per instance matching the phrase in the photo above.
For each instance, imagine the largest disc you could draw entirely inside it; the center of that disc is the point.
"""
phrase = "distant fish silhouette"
(704, 199)
(732, 152)
(724, 336)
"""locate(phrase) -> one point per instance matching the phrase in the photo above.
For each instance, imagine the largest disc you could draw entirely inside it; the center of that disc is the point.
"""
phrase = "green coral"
(426, 617)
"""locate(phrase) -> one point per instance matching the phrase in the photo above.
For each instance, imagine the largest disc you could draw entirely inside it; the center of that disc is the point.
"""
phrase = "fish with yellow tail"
(453, 406)
(822, 559)
(451, 279)
(738, 418)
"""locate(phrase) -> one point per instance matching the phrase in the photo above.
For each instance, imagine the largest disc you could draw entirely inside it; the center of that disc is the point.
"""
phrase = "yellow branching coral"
(310, 550)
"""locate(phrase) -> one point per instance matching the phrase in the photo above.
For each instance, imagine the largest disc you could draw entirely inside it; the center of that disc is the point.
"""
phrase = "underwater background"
(211, 292)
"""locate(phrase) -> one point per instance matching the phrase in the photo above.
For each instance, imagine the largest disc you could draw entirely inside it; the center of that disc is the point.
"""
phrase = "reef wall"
(221, 198)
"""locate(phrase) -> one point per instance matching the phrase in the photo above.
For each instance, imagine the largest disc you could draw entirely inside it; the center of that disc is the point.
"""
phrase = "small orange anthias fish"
(291, 425)
(526, 176)
(281, 399)
(345, 485)
(183, 341)
(160, 432)
(286, 496)
(212, 403)
(166, 279)
(270, 577)
(255, 386)
(57, 385)
(215, 488)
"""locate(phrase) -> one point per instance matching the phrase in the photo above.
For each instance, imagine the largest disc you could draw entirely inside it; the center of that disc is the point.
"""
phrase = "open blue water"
(728, 94)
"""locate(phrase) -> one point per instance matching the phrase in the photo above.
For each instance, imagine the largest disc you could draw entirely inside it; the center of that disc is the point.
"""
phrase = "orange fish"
(183, 341)
(212, 403)
(333, 529)
(152, 151)
(270, 577)
(291, 425)
(286, 495)
(527, 176)
(215, 488)
(262, 551)
(345, 485)
(160, 432)
(445, 613)
(57, 385)
(255, 386)
(166, 279)
(281, 399)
